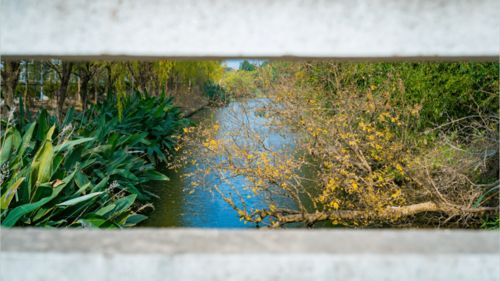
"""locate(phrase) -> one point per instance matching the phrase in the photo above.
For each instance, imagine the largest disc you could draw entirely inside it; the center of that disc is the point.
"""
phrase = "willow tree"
(186, 75)
(125, 77)
(163, 70)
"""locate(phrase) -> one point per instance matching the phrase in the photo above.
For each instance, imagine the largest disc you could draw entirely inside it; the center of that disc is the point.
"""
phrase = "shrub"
(88, 171)
(215, 93)
(443, 91)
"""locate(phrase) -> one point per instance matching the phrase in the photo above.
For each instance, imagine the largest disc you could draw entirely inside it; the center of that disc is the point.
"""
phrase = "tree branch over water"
(363, 152)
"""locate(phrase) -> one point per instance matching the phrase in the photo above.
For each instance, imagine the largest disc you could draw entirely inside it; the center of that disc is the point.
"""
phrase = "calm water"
(177, 206)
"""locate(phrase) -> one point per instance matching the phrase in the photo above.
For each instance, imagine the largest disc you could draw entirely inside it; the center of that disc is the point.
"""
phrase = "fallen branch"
(389, 213)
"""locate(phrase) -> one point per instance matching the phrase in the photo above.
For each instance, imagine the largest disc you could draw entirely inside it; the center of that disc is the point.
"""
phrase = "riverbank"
(377, 152)
(182, 201)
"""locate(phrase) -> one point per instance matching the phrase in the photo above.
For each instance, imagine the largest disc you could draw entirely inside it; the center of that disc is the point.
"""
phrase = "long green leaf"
(93, 221)
(134, 219)
(80, 199)
(9, 194)
(42, 163)
(479, 200)
(124, 203)
(104, 210)
(155, 176)
(15, 214)
(6, 149)
(26, 141)
(70, 144)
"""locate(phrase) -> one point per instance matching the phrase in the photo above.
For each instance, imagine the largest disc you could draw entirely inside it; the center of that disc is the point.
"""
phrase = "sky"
(235, 63)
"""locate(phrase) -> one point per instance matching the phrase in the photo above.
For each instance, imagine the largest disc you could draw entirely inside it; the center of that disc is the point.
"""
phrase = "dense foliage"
(91, 169)
(240, 83)
(387, 144)
(62, 84)
(216, 94)
(443, 90)
(383, 143)
(247, 66)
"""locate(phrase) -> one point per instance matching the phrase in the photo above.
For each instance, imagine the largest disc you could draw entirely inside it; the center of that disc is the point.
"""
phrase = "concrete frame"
(338, 29)
(208, 254)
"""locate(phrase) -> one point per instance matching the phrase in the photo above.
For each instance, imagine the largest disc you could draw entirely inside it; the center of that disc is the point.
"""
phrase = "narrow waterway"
(179, 206)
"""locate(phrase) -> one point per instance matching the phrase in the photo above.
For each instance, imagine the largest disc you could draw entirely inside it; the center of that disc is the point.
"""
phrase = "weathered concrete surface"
(194, 254)
(374, 29)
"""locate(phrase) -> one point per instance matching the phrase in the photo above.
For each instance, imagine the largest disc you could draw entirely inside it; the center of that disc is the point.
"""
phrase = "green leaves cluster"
(216, 93)
(247, 66)
(90, 170)
(444, 91)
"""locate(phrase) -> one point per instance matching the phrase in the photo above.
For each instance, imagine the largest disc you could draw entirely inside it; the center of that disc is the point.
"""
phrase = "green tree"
(247, 66)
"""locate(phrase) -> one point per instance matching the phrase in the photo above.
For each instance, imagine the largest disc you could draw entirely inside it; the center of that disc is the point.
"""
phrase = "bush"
(247, 66)
(88, 171)
(215, 93)
(443, 91)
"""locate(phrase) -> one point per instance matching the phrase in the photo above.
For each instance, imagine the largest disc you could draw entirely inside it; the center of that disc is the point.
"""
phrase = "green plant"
(491, 223)
(215, 93)
(441, 91)
(88, 171)
(247, 66)
(240, 83)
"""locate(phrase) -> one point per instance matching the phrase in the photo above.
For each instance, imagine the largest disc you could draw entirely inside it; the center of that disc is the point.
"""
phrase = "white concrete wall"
(342, 29)
(194, 254)
(361, 29)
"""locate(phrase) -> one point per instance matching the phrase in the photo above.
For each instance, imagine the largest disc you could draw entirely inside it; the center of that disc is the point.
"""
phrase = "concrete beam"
(341, 29)
(195, 254)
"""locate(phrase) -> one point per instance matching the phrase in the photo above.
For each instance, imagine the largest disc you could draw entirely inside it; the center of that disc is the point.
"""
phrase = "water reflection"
(179, 206)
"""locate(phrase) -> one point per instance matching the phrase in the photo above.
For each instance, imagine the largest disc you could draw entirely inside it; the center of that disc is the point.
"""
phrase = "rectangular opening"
(246, 143)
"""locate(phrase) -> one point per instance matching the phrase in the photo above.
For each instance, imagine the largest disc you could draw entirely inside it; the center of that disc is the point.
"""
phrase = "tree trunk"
(26, 83)
(85, 74)
(110, 81)
(392, 212)
(10, 77)
(63, 89)
(78, 88)
(84, 91)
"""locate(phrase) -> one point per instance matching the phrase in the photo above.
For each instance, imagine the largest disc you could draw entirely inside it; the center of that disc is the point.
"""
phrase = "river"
(178, 207)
